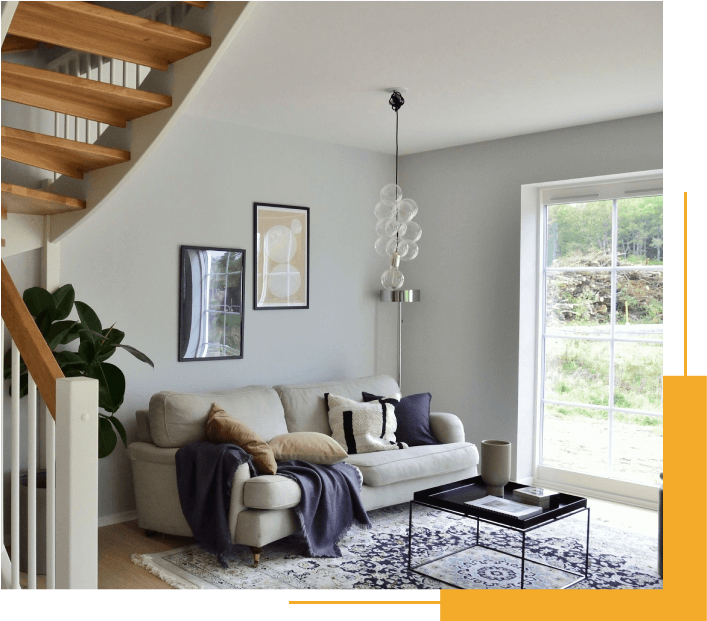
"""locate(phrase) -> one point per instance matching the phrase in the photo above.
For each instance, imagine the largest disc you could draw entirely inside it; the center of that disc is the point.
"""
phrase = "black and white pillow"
(362, 427)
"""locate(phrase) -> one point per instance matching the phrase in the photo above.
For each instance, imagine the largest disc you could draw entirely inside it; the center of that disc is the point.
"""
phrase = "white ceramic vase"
(495, 465)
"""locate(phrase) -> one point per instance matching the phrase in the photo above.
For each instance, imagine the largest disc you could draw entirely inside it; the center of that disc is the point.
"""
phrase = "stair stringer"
(187, 77)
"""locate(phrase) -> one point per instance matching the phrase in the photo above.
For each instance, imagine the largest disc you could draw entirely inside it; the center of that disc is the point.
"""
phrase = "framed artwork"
(211, 293)
(281, 266)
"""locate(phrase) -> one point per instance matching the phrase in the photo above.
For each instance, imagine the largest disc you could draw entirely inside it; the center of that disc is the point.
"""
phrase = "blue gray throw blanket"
(330, 503)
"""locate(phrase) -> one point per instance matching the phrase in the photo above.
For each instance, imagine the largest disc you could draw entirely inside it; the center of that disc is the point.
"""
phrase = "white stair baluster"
(15, 469)
(51, 498)
(31, 483)
(2, 458)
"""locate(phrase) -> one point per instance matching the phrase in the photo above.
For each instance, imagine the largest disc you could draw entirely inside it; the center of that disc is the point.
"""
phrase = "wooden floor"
(116, 544)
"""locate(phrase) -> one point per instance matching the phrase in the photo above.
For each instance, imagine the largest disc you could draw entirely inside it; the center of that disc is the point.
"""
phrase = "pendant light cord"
(396, 147)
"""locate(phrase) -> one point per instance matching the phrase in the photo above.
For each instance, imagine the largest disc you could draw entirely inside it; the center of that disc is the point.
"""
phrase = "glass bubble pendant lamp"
(397, 236)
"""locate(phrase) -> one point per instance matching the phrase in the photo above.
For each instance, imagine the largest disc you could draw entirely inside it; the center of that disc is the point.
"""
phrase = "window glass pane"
(637, 448)
(576, 439)
(579, 234)
(217, 291)
(638, 376)
(577, 371)
(232, 298)
(640, 238)
(233, 335)
(215, 321)
(639, 307)
(578, 303)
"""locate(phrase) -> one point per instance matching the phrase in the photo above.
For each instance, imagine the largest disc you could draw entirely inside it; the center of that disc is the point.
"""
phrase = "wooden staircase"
(96, 30)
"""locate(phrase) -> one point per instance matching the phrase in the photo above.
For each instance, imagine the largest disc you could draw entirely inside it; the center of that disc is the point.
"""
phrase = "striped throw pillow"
(362, 427)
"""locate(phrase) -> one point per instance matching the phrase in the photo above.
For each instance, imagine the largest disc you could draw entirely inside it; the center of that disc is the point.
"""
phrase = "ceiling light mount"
(396, 101)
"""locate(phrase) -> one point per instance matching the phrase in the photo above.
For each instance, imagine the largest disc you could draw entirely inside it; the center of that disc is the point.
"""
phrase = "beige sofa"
(260, 509)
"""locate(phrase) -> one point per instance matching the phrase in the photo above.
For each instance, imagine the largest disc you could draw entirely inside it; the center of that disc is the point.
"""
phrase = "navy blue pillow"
(413, 416)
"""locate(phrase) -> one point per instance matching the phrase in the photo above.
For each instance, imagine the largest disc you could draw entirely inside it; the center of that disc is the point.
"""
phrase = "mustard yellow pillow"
(221, 428)
(316, 448)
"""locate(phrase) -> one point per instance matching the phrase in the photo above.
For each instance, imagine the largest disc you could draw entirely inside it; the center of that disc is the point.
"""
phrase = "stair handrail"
(34, 350)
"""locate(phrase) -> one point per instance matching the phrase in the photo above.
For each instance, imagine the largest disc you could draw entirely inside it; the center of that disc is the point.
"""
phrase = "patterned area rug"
(377, 558)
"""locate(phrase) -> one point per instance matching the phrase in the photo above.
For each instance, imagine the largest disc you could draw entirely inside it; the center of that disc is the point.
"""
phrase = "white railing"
(109, 70)
(71, 447)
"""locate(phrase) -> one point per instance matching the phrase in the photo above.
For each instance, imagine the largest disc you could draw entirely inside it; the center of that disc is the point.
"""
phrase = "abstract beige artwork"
(281, 242)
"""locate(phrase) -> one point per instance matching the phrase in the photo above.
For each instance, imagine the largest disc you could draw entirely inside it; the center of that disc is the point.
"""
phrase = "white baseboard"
(525, 481)
(117, 518)
(600, 495)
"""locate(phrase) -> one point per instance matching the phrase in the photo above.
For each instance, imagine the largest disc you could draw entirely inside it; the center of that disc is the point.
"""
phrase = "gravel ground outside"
(582, 445)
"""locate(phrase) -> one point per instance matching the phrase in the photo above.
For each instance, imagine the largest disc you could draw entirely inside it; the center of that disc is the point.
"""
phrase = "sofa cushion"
(413, 415)
(177, 419)
(271, 492)
(304, 405)
(362, 427)
(221, 428)
(309, 446)
(415, 462)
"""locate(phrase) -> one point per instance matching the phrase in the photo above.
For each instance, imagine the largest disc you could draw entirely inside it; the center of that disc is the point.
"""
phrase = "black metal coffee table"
(451, 498)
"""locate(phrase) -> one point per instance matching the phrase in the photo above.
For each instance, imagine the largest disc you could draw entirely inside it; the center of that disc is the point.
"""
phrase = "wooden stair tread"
(68, 157)
(87, 99)
(95, 29)
(18, 199)
(13, 43)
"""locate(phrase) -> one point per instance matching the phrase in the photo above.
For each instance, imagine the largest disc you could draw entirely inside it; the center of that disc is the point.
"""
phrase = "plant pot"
(41, 546)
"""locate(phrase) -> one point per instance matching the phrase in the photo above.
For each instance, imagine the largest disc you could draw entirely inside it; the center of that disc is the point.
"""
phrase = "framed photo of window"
(211, 293)
(281, 266)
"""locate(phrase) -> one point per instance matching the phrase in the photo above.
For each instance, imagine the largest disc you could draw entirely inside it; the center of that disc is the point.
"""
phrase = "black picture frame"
(302, 255)
(186, 313)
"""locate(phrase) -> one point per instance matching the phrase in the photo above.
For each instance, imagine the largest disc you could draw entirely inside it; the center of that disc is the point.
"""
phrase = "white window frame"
(532, 305)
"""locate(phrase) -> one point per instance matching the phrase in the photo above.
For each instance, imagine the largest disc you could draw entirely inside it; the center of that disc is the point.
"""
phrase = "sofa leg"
(256, 555)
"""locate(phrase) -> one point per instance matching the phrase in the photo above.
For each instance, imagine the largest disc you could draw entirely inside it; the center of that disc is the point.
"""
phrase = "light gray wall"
(460, 342)
(198, 188)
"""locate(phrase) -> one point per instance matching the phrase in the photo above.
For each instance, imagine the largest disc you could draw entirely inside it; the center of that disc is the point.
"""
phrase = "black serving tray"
(452, 497)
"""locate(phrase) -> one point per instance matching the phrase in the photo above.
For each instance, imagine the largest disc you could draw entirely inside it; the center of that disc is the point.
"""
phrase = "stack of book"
(538, 496)
(505, 507)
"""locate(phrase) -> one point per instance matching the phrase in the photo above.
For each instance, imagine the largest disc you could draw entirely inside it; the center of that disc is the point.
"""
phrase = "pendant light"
(397, 233)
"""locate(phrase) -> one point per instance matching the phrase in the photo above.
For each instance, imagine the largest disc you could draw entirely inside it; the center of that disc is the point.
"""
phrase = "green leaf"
(120, 429)
(69, 359)
(44, 322)
(111, 385)
(107, 440)
(87, 351)
(72, 334)
(88, 319)
(113, 335)
(57, 333)
(64, 301)
(106, 353)
(38, 300)
(138, 354)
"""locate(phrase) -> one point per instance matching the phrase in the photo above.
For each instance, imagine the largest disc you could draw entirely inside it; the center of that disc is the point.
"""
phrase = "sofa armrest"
(146, 451)
(447, 428)
(157, 496)
(241, 475)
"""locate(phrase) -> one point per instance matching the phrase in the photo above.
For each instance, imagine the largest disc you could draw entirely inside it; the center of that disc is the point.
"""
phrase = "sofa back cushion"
(177, 419)
(305, 409)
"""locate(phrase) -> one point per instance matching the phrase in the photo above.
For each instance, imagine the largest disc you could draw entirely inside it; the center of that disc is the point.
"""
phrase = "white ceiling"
(476, 70)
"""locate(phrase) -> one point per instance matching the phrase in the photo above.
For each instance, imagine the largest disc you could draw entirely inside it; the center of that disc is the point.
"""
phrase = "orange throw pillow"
(221, 428)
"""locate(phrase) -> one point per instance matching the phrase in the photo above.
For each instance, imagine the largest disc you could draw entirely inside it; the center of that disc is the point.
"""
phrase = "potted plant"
(96, 346)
